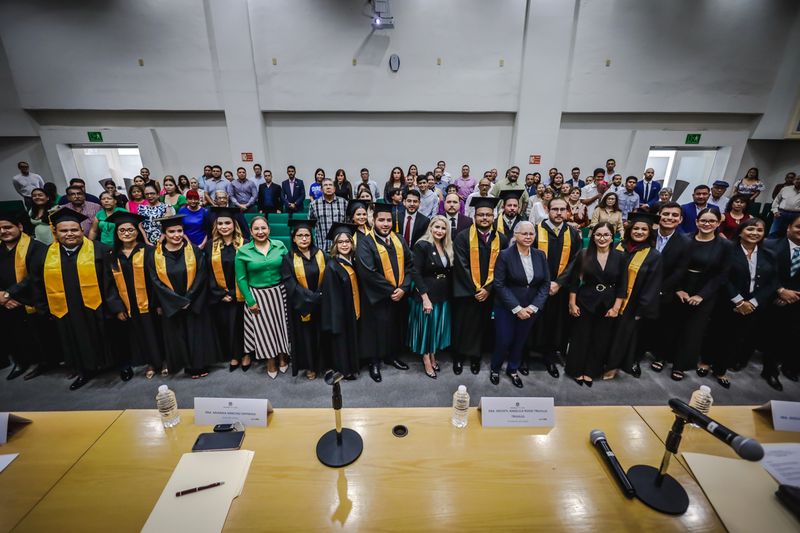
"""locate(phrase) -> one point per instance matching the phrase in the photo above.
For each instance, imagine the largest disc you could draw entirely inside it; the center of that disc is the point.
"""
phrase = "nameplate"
(10, 424)
(785, 415)
(517, 412)
(248, 411)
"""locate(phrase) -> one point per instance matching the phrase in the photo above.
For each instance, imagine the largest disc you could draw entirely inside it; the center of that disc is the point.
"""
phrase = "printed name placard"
(785, 415)
(517, 412)
(248, 411)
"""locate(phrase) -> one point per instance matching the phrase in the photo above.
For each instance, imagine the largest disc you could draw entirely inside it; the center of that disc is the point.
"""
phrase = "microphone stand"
(341, 446)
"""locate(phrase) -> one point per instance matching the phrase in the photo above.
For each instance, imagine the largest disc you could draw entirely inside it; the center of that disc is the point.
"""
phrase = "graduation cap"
(340, 227)
(299, 223)
(65, 214)
(168, 222)
(483, 201)
(644, 216)
(354, 204)
(125, 217)
(382, 207)
(14, 216)
(225, 211)
(510, 193)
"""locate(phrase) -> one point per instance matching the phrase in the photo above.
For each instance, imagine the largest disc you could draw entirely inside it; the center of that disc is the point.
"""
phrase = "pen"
(198, 489)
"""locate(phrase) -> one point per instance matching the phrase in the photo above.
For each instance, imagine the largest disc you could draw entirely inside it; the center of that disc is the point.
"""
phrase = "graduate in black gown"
(642, 298)
(18, 294)
(73, 272)
(384, 274)
(561, 243)
(475, 252)
(303, 271)
(131, 298)
(341, 303)
(179, 272)
(227, 302)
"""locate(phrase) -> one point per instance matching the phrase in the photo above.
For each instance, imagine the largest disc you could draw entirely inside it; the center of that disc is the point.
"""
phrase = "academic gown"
(382, 323)
(190, 339)
(472, 325)
(338, 322)
(305, 333)
(551, 332)
(228, 316)
(138, 339)
(643, 303)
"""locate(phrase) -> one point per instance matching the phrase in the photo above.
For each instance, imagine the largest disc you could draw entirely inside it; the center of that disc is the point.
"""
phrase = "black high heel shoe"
(246, 367)
(579, 381)
(431, 374)
(702, 372)
(588, 383)
(232, 367)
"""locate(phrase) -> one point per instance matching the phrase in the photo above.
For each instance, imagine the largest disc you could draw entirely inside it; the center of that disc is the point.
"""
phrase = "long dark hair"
(748, 172)
(402, 175)
(711, 209)
(604, 201)
(752, 221)
(740, 197)
(591, 250)
(118, 243)
(651, 235)
(44, 212)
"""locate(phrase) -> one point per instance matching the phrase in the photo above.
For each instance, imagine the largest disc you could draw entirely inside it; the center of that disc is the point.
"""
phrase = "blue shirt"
(315, 191)
(627, 203)
(195, 224)
(212, 186)
(244, 192)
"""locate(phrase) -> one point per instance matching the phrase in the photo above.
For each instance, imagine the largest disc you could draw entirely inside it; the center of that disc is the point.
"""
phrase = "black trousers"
(781, 350)
(589, 345)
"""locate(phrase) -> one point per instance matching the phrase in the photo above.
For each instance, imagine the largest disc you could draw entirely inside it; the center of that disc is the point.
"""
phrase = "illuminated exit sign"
(693, 138)
(95, 137)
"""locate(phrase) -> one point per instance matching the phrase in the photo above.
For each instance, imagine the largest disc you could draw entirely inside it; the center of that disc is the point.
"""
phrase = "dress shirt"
(527, 265)
(408, 226)
(258, 180)
(25, 184)
(628, 201)
(244, 192)
(752, 262)
(616, 189)
(788, 199)
(468, 209)
(555, 228)
(326, 213)
(646, 188)
(465, 186)
(373, 188)
(254, 269)
(429, 203)
(661, 240)
(721, 203)
(792, 250)
(212, 186)
(89, 210)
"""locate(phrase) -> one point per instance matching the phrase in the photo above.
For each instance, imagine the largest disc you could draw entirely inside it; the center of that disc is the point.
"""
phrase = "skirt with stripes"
(267, 333)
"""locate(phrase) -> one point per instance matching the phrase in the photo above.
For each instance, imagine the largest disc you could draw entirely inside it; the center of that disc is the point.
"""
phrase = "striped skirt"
(267, 333)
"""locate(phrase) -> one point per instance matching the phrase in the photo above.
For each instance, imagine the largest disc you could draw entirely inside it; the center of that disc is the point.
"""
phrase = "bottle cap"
(705, 388)
(462, 388)
(163, 388)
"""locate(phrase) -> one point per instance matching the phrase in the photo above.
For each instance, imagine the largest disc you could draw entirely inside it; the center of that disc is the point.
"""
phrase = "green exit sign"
(693, 138)
(95, 137)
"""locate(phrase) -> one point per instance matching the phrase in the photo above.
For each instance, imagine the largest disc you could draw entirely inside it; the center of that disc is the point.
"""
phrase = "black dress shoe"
(78, 383)
(494, 377)
(36, 372)
(245, 368)
(16, 372)
(588, 383)
(475, 367)
(398, 364)
(458, 367)
(515, 379)
(724, 382)
(702, 372)
(579, 381)
(789, 374)
(774, 382)
(552, 369)
(126, 374)
(523, 370)
(350, 377)
(375, 373)
(231, 367)
(636, 370)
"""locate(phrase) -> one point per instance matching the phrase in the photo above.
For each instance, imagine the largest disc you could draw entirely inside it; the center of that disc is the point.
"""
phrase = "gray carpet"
(398, 389)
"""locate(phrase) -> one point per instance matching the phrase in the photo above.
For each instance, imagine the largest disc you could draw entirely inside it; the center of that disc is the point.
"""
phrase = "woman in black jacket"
(429, 318)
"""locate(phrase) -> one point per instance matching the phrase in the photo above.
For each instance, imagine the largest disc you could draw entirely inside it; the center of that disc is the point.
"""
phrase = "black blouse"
(430, 275)
(597, 288)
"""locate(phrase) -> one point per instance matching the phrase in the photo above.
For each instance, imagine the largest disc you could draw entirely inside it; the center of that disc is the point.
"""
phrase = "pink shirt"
(465, 186)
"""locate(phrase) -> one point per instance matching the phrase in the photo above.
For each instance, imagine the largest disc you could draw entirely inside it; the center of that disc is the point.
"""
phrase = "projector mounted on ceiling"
(382, 18)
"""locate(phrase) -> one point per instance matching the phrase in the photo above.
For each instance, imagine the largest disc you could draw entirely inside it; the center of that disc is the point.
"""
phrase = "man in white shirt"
(446, 175)
(591, 193)
(718, 197)
(611, 168)
(616, 184)
(373, 186)
(25, 182)
(483, 191)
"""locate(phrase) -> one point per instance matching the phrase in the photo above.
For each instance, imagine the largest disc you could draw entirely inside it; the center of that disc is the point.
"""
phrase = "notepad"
(203, 511)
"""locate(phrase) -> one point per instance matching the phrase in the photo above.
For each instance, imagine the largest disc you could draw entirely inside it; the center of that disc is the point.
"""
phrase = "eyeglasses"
(126, 231)
(707, 221)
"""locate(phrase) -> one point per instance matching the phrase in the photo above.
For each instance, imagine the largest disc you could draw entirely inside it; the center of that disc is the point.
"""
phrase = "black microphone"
(746, 447)
(598, 439)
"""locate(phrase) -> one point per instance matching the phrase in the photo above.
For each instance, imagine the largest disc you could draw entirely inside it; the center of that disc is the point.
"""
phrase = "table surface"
(47, 449)
(437, 477)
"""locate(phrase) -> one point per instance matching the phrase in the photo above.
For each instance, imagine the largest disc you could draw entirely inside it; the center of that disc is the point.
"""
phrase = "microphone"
(598, 440)
(746, 447)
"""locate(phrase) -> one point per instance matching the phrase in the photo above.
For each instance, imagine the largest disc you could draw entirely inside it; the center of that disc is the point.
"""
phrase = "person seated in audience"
(103, 230)
(136, 195)
(343, 187)
(269, 196)
(692, 209)
(80, 184)
(151, 212)
(172, 196)
(608, 211)
(315, 190)
(77, 202)
(40, 215)
(397, 180)
(110, 187)
(735, 213)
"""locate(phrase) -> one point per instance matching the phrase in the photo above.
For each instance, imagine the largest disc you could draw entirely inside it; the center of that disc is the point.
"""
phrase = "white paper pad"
(742, 493)
(782, 461)
(205, 510)
(6, 459)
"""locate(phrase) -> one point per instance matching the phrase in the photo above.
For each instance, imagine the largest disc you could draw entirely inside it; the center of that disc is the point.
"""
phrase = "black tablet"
(210, 442)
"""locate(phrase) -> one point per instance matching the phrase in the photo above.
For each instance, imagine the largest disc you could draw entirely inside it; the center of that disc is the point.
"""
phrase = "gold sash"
(501, 225)
(20, 268)
(139, 284)
(87, 278)
(354, 287)
(633, 270)
(219, 273)
(475, 262)
(300, 274)
(542, 243)
(188, 259)
(386, 263)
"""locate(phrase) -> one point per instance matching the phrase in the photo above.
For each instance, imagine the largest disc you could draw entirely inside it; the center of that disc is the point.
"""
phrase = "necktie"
(407, 230)
(646, 190)
(485, 237)
(795, 261)
(453, 223)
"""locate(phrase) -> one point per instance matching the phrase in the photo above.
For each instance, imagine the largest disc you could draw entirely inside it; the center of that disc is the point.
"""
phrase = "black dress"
(596, 289)
(228, 316)
(643, 303)
(190, 339)
(138, 339)
(304, 314)
(338, 318)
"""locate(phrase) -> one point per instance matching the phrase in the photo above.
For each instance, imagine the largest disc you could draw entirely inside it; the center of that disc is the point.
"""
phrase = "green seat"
(279, 230)
(250, 216)
(285, 239)
(7, 206)
(278, 218)
(754, 209)
(585, 232)
(306, 203)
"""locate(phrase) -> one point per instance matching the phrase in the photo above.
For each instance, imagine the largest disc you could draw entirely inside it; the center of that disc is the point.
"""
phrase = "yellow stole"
(139, 285)
(542, 239)
(188, 258)
(386, 263)
(475, 262)
(633, 270)
(300, 274)
(20, 268)
(354, 287)
(219, 274)
(87, 278)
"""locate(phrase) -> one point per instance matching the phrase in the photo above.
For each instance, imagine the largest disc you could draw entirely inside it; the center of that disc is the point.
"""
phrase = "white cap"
(705, 388)
(163, 388)
(462, 388)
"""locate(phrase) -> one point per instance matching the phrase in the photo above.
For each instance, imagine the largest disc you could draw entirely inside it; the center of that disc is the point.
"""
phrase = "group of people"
(365, 281)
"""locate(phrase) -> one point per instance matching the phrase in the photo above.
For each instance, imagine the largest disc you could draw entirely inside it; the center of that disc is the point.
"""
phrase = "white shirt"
(721, 204)
(616, 189)
(25, 184)
(527, 265)
(590, 191)
(468, 209)
(537, 213)
(410, 223)
(752, 262)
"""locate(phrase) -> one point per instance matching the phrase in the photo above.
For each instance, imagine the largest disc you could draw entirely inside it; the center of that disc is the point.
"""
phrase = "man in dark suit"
(269, 195)
(784, 312)
(575, 179)
(521, 284)
(411, 224)
(456, 221)
(510, 216)
(699, 202)
(647, 189)
(293, 192)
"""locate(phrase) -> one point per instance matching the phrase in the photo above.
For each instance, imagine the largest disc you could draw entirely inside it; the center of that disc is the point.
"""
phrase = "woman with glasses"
(151, 211)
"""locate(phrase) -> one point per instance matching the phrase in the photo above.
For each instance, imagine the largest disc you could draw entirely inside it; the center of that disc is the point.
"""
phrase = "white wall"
(773, 160)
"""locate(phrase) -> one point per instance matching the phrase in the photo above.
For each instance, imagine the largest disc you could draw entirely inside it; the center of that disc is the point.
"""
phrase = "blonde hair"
(217, 242)
(448, 240)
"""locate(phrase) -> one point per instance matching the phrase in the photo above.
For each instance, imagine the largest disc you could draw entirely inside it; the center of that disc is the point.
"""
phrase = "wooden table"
(47, 449)
(436, 478)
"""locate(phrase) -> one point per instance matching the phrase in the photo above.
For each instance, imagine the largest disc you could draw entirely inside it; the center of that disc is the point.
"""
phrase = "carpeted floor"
(410, 388)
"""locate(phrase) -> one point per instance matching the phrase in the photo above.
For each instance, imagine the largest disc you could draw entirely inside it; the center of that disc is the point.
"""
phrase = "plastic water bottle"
(701, 400)
(167, 407)
(460, 407)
